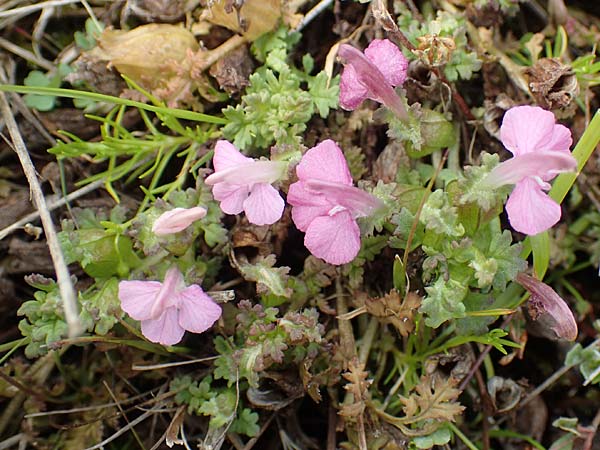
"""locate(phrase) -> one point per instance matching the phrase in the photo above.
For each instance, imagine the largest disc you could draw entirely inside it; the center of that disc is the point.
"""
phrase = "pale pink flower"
(325, 205)
(244, 184)
(550, 315)
(540, 149)
(373, 75)
(167, 309)
(177, 219)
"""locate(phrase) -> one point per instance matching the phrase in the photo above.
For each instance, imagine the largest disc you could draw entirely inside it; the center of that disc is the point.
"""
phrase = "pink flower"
(373, 75)
(167, 309)
(177, 219)
(244, 184)
(540, 151)
(325, 205)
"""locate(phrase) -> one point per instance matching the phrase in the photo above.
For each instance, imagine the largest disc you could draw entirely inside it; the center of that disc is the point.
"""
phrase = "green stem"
(462, 437)
(73, 93)
(367, 340)
(513, 434)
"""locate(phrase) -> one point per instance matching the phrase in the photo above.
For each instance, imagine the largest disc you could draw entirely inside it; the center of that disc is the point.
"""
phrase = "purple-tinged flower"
(550, 315)
(540, 149)
(244, 184)
(177, 219)
(167, 309)
(325, 205)
(373, 75)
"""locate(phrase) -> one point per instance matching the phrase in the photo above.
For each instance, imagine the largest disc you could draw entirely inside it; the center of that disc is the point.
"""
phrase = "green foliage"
(509, 7)
(444, 301)
(390, 206)
(440, 216)
(473, 191)
(485, 261)
(87, 40)
(99, 246)
(269, 279)
(588, 360)
(217, 403)
(440, 437)
(423, 132)
(45, 323)
(39, 79)
(277, 106)
(264, 339)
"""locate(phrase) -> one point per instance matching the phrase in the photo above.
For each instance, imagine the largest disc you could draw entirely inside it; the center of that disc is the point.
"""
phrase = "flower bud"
(177, 219)
(548, 314)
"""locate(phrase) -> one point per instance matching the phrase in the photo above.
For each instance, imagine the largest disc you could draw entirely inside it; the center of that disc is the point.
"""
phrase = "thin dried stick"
(8, 443)
(26, 54)
(113, 396)
(24, 10)
(314, 12)
(126, 428)
(52, 204)
(63, 278)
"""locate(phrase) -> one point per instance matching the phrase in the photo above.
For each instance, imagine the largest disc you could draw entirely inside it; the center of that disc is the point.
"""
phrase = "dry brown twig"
(63, 278)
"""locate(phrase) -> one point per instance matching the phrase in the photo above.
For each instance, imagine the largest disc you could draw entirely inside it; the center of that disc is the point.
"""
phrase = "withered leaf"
(252, 19)
(554, 85)
(392, 309)
(434, 398)
(358, 386)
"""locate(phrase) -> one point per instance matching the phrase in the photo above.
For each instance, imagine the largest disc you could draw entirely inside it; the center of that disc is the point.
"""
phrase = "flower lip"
(359, 202)
(543, 164)
(249, 173)
(166, 297)
(372, 78)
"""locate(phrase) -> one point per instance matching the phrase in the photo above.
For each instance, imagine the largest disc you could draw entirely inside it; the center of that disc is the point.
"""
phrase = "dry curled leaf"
(358, 386)
(233, 70)
(141, 53)
(252, 19)
(392, 309)
(554, 86)
(434, 398)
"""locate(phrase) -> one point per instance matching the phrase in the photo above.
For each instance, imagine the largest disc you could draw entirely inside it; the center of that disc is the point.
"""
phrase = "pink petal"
(560, 140)
(352, 91)
(378, 87)
(138, 297)
(249, 173)
(543, 164)
(165, 329)
(388, 58)
(231, 197)
(300, 195)
(176, 220)
(357, 201)
(264, 205)
(336, 239)
(527, 129)
(197, 311)
(530, 210)
(227, 156)
(167, 297)
(306, 205)
(324, 162)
